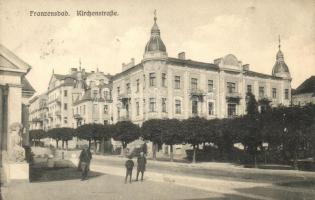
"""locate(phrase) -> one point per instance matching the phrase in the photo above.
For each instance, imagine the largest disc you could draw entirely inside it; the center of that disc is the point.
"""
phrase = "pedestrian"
(129, 166)
(84, 162)
(142, 161)
(145, 149)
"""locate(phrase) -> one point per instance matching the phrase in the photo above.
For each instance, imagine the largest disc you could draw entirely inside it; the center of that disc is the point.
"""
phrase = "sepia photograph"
(157, 100)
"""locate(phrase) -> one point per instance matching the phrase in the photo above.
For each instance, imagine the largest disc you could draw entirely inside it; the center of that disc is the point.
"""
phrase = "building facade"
(72, 100)
(305, 93)
(166, 87)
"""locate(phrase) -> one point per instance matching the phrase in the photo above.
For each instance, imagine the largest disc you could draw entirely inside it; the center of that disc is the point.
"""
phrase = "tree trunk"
(295, 164)
(123, 153)
(154, 151)
(255, 160)
(95, 146)
(63, 144)
(194, 155)
(67, 145)
(89, 144)
(204, 146)
(102, 145)
(57, 143)
(171, 153)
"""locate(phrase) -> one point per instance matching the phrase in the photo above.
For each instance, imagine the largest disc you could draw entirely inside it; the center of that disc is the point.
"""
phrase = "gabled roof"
(26, 86)
(12, 58)
(308, 86)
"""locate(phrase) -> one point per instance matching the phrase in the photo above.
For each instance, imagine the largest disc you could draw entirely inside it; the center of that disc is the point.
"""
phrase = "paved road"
(177, 182)
(254, 185)
(106, 187)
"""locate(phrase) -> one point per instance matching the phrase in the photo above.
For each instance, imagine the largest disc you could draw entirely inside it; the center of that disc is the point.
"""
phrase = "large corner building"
(165, 87)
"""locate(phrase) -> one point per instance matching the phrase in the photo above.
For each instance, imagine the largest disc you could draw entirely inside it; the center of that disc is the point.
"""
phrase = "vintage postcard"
(157, 100)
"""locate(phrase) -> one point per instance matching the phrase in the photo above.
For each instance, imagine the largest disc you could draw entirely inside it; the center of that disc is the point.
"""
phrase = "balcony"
(123, 96)
(58, 113)
(50, 115)
(197, 93)
(37, 119)
(58, 100)
(77, 116)
(233, 97)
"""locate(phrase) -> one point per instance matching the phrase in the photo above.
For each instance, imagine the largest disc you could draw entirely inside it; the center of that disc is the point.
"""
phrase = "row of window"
(261, 92)
(177, 83)
(178, 106)
(81, 109)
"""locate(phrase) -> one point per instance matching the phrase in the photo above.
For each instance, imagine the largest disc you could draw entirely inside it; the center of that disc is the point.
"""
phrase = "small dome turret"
(280, 68)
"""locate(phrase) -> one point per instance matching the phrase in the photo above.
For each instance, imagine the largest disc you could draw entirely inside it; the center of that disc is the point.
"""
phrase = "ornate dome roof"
(280, 68)
(155, 43)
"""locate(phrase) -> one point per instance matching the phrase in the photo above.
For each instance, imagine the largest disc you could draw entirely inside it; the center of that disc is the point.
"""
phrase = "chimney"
(132, 61)
(182, 56)
(246, 67)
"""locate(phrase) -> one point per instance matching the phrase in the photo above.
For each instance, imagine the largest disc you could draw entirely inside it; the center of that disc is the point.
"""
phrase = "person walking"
(129, 167)
(142, 161)
(84, 162)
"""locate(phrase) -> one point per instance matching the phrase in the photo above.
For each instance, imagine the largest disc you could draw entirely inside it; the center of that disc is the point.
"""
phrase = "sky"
(204, 29)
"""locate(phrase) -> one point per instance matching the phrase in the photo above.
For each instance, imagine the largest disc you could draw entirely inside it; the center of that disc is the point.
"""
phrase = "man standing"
(85, 160)
(142, 161)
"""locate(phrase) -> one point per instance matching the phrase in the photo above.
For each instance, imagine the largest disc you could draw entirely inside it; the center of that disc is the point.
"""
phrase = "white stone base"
(17, 171)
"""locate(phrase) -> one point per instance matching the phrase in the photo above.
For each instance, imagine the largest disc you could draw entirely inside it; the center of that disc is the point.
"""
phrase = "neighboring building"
(38, 112)
(305, 93)
(165, 87)
(94, 105)
(73, 99)
(14, 93)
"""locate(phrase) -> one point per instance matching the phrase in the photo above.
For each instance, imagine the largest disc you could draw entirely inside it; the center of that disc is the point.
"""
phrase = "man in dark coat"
(85, 160)
(129, 166)
(142, 161)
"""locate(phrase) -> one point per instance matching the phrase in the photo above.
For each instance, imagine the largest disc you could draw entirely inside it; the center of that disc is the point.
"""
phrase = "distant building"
(94, 105)
(38, 110)
(305, 93)
(72, 100)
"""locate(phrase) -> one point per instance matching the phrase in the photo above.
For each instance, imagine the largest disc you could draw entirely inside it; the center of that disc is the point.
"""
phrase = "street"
(164, 180)
(105, 187)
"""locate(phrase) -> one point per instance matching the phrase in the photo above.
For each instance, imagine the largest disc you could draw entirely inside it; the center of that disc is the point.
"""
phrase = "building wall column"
(14, 109)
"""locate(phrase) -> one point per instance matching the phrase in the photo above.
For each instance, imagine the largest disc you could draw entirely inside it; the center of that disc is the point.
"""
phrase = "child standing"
(129, 166)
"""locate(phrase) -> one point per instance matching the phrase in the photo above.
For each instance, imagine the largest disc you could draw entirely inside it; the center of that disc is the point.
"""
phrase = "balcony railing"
(233, 97)
(77, 116)
(197, 94)
(123, 96)
(37, 119)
